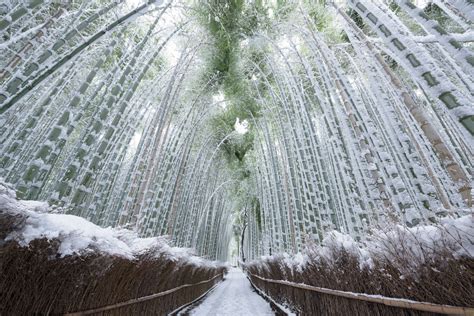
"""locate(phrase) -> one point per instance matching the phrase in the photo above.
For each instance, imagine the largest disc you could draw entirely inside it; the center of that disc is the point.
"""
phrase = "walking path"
(234, 296)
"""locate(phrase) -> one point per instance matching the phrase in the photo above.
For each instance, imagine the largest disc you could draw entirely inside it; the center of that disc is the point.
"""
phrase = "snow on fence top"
(79, 236)
(420, 243)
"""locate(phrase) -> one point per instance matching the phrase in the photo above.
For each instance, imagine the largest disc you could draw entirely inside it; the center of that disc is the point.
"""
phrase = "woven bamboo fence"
(312, 300)
(35, 280)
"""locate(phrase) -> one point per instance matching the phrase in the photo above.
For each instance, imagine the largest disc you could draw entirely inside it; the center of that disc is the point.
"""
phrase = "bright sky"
(241, 128)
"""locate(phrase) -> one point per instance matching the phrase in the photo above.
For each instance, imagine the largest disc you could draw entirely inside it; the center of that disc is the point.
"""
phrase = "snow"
(455, 233)
(285, 309)
(234, 296)
(241, 127)
(75, 233)
(19, 37)
(420, 243)
(362, 296)
(428, 64)
(336, 240)
(79, 236)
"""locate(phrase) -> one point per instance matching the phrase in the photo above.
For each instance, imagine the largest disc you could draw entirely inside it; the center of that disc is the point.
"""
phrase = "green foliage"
(228, 23)
(359, 21)
(232, 25)
(236, 62)
(284, 8)
(221, 19)
(437, 14)
(320, 16)
(233, 148)
(405, 18)
(155, 68)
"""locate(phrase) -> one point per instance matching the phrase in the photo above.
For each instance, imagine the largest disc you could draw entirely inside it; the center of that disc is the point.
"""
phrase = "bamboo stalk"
(74, 53)
(452, 167)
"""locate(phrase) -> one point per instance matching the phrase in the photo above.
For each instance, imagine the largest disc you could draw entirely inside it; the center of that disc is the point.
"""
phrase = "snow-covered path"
(234, 296)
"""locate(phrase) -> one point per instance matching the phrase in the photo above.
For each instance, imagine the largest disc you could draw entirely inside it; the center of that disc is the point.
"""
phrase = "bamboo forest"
(236, 157)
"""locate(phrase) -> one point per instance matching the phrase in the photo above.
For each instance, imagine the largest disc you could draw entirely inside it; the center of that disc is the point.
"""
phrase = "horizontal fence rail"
(190, 304)
(388, 301)
(139, 299)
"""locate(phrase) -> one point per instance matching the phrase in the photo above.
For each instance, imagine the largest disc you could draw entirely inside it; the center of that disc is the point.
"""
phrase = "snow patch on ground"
(234, 296)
